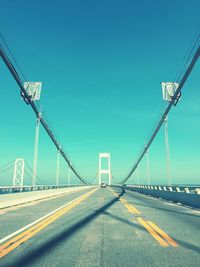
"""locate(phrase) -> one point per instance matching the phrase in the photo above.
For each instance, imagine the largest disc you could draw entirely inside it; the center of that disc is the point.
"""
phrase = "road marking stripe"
(36, 221)
(21, 238)
(52, 218)
(35, 201)
(132, 209)
(123, 200)
(17, 238)
(163, 234)
(152, 228)
(161, 241)
(12, 244)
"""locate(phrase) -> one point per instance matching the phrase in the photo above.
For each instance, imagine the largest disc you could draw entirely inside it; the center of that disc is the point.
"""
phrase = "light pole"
(168, 91)
(37, 129)
(148, 167)
(58, 167)
(69, 175)
(168, 165)
(137, 175)
(33, 90)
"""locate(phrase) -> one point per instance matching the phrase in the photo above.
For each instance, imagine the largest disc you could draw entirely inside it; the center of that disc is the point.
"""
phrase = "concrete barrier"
(186, 195)
(11, 200)
(17, 189)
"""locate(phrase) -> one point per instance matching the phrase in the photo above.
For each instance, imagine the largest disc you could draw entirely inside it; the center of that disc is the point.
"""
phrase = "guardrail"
(17, 189)
(174, 188)
(189, 196)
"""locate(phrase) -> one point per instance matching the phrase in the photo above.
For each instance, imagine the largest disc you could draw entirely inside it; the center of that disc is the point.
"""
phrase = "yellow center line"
(12, 244)
(46, 219)
(123, 200)
(24, 236)
(163, 234)
(130, 207)
(161, 241)
(160, 236)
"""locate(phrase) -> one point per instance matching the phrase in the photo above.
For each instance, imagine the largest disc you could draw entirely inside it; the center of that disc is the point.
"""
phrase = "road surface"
(100, 227)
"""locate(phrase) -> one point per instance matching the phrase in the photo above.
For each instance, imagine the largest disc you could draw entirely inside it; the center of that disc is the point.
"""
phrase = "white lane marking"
(36, 221)
(37, 200)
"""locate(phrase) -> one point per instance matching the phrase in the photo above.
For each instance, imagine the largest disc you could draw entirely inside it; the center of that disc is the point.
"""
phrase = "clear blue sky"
(101, 64)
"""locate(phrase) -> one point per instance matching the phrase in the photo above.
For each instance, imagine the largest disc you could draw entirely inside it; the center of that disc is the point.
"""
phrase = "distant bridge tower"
(18, 175)
(104, 171)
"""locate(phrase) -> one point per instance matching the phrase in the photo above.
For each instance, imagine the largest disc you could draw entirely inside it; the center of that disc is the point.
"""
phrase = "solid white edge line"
(41, 199)
(38, 220)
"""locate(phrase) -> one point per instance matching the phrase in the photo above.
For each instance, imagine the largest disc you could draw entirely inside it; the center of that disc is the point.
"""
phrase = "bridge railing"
(15, 189)
(174, 188)
(189, 196)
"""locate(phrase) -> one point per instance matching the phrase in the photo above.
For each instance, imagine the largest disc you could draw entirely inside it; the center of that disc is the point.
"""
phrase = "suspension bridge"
(104, 223)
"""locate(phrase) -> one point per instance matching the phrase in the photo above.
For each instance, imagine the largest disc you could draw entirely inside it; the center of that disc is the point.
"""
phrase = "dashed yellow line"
(158, 234)
(24, 236)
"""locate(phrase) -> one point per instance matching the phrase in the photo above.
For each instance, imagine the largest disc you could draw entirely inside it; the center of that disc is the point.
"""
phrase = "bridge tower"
(104, 171)
(18, 175)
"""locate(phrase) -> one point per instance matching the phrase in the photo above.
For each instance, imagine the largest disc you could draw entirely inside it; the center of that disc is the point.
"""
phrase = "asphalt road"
(102, 227)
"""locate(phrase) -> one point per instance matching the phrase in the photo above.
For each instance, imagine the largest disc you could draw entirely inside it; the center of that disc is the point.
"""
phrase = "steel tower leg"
(108, 170)
(99, 170)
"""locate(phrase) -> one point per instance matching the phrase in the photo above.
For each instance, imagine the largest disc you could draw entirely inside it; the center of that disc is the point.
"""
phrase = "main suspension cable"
(162, 119)
(36, 111)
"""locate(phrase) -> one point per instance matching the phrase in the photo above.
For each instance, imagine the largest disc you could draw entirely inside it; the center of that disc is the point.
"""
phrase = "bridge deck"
(106, 227)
